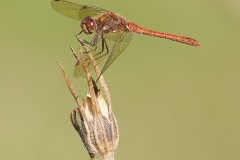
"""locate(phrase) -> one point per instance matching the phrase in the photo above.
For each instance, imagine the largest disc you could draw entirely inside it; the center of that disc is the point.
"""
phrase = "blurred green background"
(172, 101)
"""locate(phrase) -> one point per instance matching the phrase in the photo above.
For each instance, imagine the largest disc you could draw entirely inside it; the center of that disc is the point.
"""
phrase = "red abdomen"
(182, 39)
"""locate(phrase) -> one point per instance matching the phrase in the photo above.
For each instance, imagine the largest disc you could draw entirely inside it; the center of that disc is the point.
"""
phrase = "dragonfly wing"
(116, 43)
(120, 42)
(75, 11)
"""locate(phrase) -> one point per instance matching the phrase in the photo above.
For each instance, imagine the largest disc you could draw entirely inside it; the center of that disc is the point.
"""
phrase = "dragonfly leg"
(79, 33)
(80, 39)
(93, 43)
(84, 41)
(104, 44)
(74, 53)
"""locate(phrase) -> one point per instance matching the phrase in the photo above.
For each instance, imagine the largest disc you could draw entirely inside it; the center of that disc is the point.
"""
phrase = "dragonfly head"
(89, 25)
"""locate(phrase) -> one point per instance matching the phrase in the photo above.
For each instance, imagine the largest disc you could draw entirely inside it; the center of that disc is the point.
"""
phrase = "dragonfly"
(112, 32)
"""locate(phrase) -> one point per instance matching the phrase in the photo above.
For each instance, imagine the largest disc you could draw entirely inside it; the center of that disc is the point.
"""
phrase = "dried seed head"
(99, 130)
(93, 119)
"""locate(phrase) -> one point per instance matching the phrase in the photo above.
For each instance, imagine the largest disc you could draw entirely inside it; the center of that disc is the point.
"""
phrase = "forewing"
(75, 11)
(120, 42)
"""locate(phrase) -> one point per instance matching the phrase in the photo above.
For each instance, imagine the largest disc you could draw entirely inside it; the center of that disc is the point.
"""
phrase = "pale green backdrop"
(172, 101)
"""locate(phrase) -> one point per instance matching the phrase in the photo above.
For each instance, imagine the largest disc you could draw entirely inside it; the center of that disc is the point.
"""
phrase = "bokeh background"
(172, 101)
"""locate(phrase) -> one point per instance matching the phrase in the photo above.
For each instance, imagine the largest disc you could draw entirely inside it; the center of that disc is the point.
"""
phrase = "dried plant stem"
(93, 119)
(70, 85)
(98, 72)
(90, 84)
(104, 86)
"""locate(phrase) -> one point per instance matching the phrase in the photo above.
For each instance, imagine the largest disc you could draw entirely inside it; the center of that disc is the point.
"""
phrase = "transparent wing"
(75, 11)
(121, 41)
(116, 42)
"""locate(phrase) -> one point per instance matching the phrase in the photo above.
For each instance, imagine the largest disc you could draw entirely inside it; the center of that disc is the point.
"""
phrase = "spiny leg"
(86, 42)
(104, 44)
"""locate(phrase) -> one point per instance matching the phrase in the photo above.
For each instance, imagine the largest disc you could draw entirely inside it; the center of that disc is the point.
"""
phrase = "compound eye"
(90, 22)
(88, 25)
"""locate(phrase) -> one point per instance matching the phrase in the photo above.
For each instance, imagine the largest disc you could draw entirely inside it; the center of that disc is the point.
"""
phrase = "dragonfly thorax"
(89, 25)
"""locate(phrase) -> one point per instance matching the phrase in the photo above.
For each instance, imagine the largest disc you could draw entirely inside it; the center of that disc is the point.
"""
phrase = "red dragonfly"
(112, 33)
